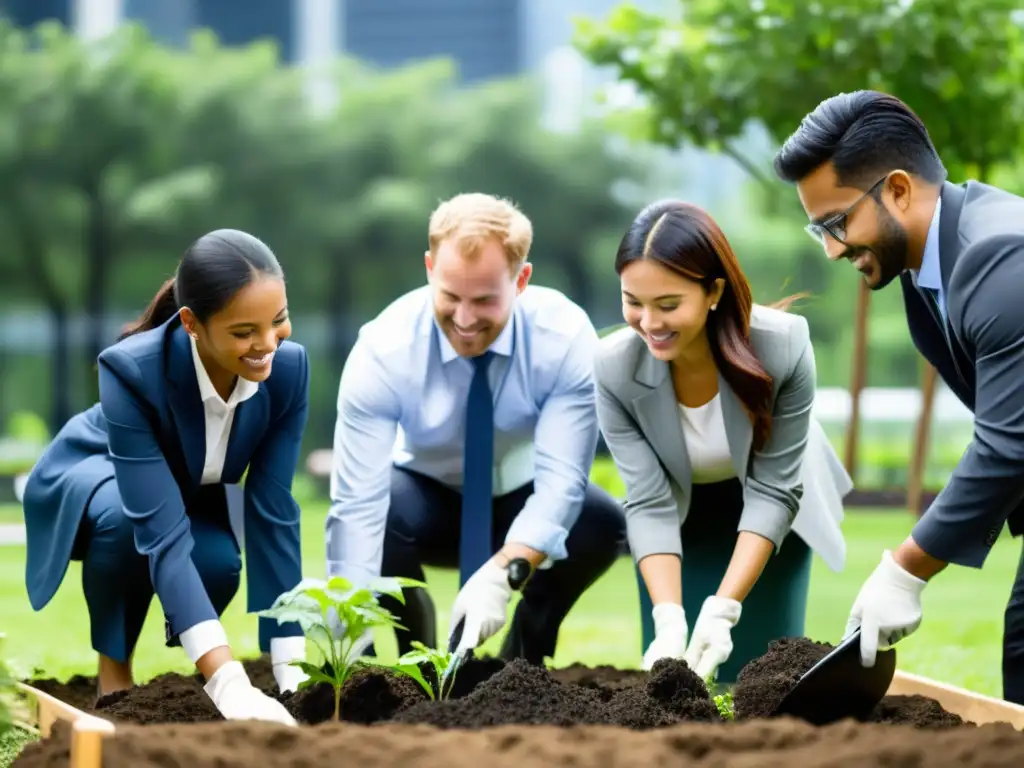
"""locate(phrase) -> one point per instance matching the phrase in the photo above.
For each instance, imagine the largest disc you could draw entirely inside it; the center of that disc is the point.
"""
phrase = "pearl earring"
(714, 307)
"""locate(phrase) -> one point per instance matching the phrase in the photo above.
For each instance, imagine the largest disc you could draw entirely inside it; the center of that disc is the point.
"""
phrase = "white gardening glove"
(283, 651)
(483, 603)
(887, 608)
(711, 644)
(237, 699)
(670, 631)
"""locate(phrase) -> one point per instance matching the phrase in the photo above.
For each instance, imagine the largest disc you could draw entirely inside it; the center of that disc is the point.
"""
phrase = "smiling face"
(868, 229)
(667, 310)
(473, 295)
(242, 338)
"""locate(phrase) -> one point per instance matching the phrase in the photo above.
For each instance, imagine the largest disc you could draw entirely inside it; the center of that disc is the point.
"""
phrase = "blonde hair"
(473, 218)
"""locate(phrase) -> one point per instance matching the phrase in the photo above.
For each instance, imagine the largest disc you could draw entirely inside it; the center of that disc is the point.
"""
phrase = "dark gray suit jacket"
(981, 253)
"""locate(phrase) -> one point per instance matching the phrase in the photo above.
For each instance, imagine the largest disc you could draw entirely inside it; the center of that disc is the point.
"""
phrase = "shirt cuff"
(542, 535)
(202, 638)
(287, 649)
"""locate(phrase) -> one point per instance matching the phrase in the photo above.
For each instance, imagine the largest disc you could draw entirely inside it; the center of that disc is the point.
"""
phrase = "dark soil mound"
(79, 691)
(520, 693)
(368, 696)
(603, 678)
(919, 711)
(169, 698)
(525, 694)
(489, 692)
(678, 690)
(764, 682)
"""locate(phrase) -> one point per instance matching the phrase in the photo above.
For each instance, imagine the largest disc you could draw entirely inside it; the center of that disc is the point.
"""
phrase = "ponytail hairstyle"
(213, 269)
(685, 239)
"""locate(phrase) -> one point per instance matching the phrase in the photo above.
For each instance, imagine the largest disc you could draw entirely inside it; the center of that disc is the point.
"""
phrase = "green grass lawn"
(11, 513)
(959, 641)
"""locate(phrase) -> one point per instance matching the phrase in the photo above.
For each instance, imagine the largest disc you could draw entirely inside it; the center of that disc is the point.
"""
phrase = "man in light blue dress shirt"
(465, 436)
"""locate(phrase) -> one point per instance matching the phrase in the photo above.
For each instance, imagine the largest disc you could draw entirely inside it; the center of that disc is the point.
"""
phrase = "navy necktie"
(475, 533)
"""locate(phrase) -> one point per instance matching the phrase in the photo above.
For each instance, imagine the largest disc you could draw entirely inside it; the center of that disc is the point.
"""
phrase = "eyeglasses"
(835, 226)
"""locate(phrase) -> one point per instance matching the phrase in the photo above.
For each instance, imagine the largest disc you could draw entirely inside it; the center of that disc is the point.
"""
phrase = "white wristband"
(202, 638)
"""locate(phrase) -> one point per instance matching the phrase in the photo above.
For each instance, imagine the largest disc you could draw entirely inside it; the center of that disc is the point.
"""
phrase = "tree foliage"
(117, 153)
(705, 74)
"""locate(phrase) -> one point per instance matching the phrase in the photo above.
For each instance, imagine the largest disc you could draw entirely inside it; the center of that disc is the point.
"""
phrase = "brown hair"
(685, 239)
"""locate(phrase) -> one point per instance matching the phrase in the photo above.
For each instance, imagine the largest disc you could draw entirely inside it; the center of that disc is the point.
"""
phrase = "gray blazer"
(639, 418)
(979, 353)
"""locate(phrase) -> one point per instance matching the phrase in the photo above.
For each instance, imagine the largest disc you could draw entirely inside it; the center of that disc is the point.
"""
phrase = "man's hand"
(670, 633)
(887, 608)
(237, 699)
(483, 603)
(711, 644)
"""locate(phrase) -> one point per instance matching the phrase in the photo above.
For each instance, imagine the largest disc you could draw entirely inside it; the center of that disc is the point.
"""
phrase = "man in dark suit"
(876, 193)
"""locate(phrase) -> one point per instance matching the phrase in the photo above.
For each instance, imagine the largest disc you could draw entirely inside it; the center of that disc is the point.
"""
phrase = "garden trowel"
(840, 686)
(459, 657)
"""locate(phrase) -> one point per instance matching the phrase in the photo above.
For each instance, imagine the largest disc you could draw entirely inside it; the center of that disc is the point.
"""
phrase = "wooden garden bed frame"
(88, 731)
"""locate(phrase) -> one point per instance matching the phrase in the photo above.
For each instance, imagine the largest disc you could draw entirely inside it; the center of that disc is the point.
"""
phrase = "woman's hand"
(670, 631)
(711, 644)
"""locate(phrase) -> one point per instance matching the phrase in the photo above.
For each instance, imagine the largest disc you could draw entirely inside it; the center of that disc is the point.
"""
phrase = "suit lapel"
(738, 429)
(186, 405)
(949, 223)
(658, 413)
(246, 430)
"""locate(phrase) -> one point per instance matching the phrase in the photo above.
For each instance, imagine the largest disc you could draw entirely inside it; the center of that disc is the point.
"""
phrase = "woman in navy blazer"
(134, 487)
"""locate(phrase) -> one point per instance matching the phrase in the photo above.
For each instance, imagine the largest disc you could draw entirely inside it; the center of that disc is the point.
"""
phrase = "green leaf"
(314, 672)
(416, 657)
(339, 584)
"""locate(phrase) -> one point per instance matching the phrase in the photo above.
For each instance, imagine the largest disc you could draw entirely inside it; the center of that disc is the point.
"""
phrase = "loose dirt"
(514, 714)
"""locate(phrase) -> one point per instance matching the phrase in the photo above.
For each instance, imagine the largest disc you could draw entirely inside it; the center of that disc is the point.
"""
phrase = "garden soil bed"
(618, 718)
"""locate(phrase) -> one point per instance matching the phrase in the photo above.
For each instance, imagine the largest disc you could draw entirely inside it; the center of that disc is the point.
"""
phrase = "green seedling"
(722, 697)
(335, 617)
(410, 663)
(725, 706)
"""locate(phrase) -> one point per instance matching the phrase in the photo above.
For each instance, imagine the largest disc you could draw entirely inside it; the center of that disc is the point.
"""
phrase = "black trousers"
(423, 529)
(1013, 639)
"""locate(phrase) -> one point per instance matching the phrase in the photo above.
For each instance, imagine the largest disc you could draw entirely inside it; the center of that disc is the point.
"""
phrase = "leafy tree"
(706, 74)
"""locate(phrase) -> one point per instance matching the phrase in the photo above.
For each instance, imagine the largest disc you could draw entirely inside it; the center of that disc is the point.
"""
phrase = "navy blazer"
(980, 355)
(148, 433)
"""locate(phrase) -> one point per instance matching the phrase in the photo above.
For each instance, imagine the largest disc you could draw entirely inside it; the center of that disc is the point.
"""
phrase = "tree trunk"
(580, 289)
(33, 254)
(60, 368)
(915, 473)
(98, 251)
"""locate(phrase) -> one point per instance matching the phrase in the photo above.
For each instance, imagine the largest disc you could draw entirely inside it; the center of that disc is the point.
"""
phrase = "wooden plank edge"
(976, 707)
(87, 731)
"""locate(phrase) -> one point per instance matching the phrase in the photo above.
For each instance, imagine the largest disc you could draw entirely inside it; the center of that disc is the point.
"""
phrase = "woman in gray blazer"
(705, 404)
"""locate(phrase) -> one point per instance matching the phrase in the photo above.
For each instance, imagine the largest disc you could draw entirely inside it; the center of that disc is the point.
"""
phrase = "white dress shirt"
(402, 401)
(220, 415)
